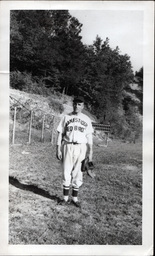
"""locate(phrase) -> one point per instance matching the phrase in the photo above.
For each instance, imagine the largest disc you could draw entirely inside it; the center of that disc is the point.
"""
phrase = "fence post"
(107, 138)
(14, 126)
(30, 127)
(42, 131)
(52, 134)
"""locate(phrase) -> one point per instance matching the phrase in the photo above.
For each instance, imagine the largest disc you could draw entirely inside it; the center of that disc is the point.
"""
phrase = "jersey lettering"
(74, 120)
(81, 129)
(76, 128)
(69, 128)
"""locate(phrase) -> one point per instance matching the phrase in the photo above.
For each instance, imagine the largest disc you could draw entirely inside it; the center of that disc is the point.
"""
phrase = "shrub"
(55, 104)
(27, 83)
(17, 80)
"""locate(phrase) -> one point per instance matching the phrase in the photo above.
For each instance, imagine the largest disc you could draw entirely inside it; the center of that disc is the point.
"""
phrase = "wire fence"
(30, 124)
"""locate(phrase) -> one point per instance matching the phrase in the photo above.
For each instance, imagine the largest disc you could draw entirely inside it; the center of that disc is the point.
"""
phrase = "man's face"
(78, 107)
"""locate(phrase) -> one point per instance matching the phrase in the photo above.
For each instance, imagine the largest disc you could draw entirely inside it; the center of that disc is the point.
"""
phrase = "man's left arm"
(90, 151)
(90, 146)
(90, 141)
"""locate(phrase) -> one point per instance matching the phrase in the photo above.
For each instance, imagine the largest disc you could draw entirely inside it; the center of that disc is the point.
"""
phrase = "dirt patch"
(130, 167)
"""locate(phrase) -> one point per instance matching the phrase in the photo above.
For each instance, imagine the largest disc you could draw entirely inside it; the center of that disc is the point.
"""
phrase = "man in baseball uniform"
(74, 143)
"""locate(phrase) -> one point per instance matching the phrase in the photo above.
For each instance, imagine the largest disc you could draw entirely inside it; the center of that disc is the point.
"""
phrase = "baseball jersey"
(76, 128)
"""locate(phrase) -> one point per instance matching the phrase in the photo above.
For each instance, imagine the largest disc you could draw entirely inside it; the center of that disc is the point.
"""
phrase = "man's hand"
(58, 153)
(90, 165)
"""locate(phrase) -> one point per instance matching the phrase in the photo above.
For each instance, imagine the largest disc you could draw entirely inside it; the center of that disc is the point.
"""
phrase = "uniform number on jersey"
(76, 128)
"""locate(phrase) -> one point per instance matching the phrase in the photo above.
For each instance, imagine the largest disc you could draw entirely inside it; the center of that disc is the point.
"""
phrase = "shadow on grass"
(33, 188)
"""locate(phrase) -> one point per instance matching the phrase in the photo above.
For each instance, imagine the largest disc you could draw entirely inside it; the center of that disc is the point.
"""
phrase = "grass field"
(111, 210)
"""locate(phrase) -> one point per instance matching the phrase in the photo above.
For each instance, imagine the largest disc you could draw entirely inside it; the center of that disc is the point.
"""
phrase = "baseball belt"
(74, 143)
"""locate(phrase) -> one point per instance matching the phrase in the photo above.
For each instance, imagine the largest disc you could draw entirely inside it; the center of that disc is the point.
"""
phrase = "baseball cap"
(79, 99)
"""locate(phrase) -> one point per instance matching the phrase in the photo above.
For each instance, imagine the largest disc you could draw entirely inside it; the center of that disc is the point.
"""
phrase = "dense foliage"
(47, 55)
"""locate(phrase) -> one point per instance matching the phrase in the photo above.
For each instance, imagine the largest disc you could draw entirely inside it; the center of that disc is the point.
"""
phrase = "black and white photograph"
(79, 128)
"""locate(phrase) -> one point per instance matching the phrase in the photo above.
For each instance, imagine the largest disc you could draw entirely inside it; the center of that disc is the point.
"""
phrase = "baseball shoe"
(91, 173)
(64, 203)
(77, 204)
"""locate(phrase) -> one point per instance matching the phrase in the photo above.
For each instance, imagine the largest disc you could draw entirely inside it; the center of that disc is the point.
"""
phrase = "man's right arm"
(58, 146)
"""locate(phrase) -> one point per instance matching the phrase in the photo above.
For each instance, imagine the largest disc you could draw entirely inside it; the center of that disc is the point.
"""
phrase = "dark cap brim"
(79, 99)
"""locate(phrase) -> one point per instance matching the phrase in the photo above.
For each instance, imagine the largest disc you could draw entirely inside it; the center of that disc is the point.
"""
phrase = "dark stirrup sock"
(75, 194)
(65, 192)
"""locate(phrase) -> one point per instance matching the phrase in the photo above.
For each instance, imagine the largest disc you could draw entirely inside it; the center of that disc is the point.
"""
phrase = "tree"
(139, 76)
(134, 96)
(67, 35)
(47, 44)
(139, 92)
(107, 74)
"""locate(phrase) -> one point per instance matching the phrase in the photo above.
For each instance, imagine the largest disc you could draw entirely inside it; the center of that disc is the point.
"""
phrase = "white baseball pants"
(73, 154)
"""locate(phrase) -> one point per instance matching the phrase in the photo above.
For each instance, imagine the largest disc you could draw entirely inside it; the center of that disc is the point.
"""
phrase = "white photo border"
(147, 245)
